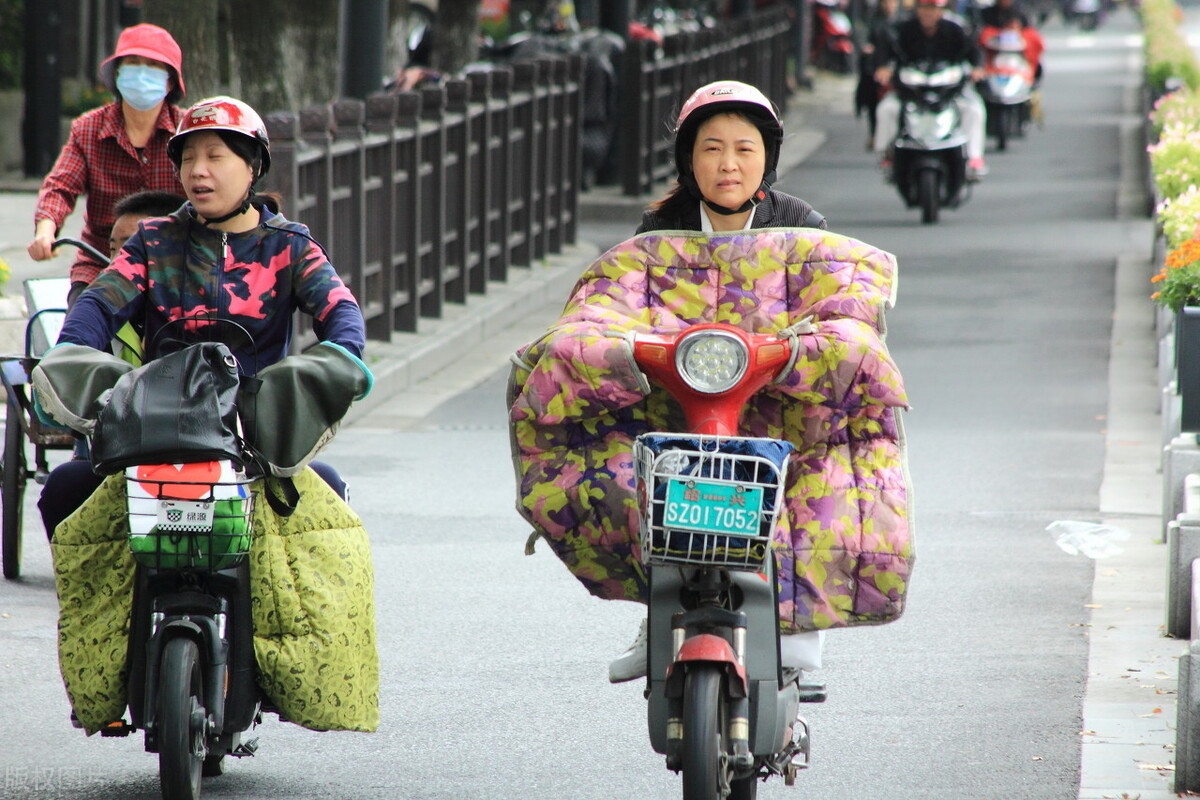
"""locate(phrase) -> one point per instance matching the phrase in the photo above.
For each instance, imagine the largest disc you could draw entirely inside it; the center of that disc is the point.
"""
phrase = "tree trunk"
(277, 55)
(193, 23)
(457, 42)
(284, 53)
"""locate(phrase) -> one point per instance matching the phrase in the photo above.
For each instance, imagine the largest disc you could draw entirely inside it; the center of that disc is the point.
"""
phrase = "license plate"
(185, 515)
(713, 507)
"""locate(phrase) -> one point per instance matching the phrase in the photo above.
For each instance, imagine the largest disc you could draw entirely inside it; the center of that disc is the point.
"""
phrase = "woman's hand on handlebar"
(42, 246)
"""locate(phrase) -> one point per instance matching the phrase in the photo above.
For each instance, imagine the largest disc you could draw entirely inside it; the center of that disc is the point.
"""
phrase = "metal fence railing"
(421, 198)
(654, 85)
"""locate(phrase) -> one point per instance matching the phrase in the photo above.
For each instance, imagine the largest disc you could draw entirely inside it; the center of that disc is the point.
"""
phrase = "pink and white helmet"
(724, 97)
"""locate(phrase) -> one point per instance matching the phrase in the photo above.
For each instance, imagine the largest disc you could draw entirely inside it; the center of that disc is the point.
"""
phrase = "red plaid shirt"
(99, 160)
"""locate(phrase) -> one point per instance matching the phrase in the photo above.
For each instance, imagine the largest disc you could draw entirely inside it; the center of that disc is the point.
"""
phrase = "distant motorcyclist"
(1006, 15)
(869, 92)
(928, 36)
(1000, 14)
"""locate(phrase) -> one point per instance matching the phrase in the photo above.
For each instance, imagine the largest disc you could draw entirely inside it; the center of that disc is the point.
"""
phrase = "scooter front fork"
(710, 649)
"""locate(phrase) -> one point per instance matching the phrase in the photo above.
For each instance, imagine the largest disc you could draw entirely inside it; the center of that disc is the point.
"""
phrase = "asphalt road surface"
(494, 663)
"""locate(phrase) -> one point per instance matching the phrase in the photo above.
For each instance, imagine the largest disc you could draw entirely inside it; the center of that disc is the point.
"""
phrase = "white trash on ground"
(1092, 539)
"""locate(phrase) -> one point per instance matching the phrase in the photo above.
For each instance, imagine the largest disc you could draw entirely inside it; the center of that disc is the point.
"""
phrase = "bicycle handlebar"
(84, 246)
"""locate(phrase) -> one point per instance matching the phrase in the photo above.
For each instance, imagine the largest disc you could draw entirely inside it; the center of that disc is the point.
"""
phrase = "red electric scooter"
(722, 709)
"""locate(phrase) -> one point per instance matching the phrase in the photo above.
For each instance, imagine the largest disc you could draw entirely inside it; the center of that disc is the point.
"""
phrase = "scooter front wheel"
(181, 721)
(702, 733)
(929, 192)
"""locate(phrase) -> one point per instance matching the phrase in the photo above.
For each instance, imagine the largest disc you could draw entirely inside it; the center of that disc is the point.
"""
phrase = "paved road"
(494, 663)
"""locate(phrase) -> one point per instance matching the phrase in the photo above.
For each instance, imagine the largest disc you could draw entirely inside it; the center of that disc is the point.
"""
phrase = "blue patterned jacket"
(176, 268)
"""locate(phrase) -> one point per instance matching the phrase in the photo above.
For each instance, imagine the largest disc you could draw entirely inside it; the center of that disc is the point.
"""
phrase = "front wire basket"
(709, 501)
(180, 523)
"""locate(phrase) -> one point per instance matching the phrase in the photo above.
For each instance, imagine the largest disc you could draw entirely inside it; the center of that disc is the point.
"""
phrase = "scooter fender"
(706, 648)
(202, 630)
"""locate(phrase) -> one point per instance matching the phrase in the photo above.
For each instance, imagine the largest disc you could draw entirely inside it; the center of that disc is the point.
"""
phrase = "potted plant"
(1178, 289)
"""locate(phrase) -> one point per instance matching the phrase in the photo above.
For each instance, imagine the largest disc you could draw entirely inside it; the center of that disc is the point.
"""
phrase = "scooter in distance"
(929, 164)
(721, 707)
(1007, 87)
(832, 45)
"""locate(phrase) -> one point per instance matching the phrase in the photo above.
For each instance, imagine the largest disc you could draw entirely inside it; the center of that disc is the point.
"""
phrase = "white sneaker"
(632, 663)
(801, 650)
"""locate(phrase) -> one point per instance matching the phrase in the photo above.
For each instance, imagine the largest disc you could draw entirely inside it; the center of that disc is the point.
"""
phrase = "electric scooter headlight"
(712, 361)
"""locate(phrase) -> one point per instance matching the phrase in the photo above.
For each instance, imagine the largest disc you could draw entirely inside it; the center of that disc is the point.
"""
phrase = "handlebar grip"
(84, 246)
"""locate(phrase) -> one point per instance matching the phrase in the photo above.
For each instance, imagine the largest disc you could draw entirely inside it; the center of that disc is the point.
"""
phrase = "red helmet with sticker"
(223, 114)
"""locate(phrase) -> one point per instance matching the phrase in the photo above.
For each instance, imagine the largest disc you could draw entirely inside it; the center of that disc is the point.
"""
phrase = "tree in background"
(274, 54)
(11, 40)
(456, 39)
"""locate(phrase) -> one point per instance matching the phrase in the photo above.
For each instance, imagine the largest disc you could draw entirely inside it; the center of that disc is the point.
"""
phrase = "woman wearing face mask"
(117, 149)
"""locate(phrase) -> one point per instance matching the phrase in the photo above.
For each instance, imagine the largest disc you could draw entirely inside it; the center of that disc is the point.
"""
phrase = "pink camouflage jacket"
(844, 544)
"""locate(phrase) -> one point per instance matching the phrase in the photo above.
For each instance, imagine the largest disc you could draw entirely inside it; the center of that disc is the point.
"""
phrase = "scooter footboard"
(772, 707)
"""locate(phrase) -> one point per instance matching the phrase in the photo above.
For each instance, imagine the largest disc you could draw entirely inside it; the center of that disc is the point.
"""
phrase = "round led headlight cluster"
(712, 361)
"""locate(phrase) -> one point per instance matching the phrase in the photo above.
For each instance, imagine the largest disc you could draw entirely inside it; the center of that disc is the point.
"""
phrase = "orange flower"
(1185, 254)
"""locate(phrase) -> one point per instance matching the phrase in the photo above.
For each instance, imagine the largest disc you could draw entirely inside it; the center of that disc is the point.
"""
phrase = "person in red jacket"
(117, 149)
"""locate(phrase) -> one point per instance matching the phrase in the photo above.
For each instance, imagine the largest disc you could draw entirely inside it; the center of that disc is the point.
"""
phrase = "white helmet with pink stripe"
(725, 97)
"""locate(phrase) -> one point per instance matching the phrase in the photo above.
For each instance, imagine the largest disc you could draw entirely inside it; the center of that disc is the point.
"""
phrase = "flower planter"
(1187, 367)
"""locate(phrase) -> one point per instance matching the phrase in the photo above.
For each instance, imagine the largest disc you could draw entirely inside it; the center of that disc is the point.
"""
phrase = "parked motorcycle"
(929, 165)
(1007, 87)
(722, 709)
(832, 44)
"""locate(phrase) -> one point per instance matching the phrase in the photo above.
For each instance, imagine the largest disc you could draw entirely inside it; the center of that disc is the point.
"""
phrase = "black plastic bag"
(177, 409)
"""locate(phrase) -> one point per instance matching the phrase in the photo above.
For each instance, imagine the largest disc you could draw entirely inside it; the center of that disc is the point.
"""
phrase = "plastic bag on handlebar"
(177, 409)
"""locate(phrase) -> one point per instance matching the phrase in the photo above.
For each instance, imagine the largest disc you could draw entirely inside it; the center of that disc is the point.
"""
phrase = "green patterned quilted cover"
(313, 606)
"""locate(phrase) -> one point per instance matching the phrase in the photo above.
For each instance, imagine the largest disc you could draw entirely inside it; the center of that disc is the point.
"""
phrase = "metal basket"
(188, 524)
(703, 505)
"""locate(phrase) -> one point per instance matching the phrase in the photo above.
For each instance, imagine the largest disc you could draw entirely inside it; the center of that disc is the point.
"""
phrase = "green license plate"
(713, 507)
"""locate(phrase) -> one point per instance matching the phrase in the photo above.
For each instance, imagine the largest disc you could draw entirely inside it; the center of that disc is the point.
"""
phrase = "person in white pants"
(928, 36)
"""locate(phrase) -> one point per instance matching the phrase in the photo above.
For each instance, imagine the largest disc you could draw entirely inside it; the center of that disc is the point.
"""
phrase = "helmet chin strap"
(759, 195)
(242, 209)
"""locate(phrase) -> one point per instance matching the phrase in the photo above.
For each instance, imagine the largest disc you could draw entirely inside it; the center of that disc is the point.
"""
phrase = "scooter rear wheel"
(702, 733)
(181, 734)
